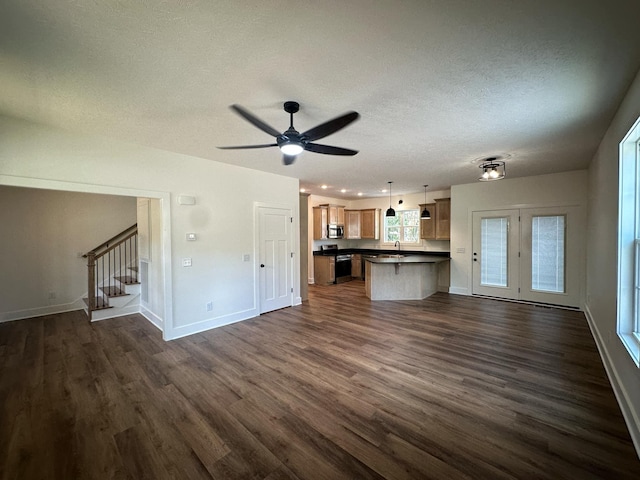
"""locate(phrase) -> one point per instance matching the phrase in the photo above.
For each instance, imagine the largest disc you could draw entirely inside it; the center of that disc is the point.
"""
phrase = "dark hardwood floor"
(339, 388)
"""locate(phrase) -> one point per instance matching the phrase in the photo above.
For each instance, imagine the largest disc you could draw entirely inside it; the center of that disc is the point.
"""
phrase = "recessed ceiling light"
(302, 190)
(344, 190)
(324, 187)
(384, 190)
(359, 194)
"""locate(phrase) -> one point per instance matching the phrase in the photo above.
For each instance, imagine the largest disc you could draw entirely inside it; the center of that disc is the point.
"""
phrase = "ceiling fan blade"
(330, 127)
(329, 150)
(249, 146)
(288, 159)
(255, 120)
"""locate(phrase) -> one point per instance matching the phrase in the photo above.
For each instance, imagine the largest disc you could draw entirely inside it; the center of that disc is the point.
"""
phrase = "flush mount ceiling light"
(426, 214)
(390, 211)
(492, 169)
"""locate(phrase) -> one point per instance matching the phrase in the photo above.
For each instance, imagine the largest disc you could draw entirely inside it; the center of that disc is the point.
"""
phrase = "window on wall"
(628, 315)
(403, 228)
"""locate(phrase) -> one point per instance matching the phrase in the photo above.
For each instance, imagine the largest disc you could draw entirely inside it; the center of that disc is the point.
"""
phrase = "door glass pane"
(493, 251)
(547, 253)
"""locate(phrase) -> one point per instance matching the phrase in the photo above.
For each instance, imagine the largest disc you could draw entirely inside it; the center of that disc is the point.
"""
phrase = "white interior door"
(495, 253)
(275, 262)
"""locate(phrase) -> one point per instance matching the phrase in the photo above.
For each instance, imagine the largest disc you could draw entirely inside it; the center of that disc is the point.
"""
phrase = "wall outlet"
(210, 307)
(52, 295)
(186, 262)
(246, 257)
(460, 250)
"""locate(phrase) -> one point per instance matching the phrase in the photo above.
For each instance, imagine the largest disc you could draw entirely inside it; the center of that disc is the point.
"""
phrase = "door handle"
(262, 265)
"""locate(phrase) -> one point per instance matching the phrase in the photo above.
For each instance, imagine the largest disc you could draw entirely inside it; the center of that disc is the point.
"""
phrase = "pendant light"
(390, 211)
(425, 215)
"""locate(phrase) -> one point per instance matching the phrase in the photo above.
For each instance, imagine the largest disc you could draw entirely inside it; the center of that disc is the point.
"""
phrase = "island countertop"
(395, 259)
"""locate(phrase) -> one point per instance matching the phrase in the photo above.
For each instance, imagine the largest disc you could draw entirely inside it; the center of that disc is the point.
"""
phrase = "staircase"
(113, 286)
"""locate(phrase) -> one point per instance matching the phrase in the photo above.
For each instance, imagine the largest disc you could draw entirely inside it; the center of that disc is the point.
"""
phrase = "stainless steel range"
(343, 263)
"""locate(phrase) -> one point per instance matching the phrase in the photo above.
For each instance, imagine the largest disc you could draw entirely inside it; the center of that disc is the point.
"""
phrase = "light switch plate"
(191, 237)
(186, 262)
(460, 250)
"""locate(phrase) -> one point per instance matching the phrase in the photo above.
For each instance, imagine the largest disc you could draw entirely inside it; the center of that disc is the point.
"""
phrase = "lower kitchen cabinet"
(356, 265)
(324, 269)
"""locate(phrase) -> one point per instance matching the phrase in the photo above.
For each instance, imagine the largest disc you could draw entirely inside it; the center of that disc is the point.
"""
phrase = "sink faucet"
(397, 244)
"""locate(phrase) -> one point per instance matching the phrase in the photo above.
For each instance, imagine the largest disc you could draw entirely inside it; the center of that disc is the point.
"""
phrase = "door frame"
(168, 330)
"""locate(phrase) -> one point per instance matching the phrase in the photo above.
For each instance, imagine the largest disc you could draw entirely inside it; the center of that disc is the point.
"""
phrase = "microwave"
(335, 231)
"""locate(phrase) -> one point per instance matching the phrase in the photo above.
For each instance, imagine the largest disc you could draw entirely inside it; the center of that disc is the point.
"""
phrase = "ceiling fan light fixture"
(390, 211)
(291, 148)
(426, 214)
(492, 169)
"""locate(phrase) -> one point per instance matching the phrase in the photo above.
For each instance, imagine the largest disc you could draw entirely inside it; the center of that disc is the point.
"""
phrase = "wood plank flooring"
(339, 388)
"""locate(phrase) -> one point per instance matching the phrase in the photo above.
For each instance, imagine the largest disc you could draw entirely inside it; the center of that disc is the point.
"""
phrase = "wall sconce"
(492, 169)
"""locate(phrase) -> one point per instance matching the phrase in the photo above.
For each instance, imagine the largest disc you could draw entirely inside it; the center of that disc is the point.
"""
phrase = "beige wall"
(565, 189)
(602, 261)
(42, 234)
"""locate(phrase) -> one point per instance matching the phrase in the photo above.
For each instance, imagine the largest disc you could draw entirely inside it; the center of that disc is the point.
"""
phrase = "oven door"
(343, 268)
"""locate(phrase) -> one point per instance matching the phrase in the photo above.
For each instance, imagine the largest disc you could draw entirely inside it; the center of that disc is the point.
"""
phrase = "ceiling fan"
(291, 142)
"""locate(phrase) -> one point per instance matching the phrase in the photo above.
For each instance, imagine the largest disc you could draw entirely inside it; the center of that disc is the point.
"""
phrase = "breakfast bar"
(400, 277)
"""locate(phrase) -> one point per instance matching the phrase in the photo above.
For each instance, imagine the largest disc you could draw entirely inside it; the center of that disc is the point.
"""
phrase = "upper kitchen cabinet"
(320, 219)
(352, 224)
(370, 223)
(439, 225)
(428, 225)
(336, 214)
(443, 218)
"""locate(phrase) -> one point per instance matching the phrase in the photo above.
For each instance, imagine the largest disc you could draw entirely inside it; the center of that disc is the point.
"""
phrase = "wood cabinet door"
(356, 265)
(319, 223)
(340, 216)
(443, 218)
(369, 223)
(324, 269)
(428, 226)
(352, 224)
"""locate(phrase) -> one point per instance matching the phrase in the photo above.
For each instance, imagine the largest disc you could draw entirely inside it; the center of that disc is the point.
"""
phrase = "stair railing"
(116, 256)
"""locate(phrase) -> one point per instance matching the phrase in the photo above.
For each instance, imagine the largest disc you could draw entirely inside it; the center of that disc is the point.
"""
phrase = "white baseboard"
(107, 313)
(41, 311)
(198, 327)
(630, 414)
(458, 291)
(297, 301)
(152, 317)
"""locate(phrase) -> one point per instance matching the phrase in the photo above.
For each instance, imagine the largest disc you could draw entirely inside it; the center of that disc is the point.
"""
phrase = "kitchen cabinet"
(320, 219)
(356, 265)
(439, 225)
(336, 214)
(352, 224)
(370, 223)
(324, 269)
(428, 225)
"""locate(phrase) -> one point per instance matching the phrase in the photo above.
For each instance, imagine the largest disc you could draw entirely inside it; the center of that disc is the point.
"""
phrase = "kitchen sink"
(388, 255)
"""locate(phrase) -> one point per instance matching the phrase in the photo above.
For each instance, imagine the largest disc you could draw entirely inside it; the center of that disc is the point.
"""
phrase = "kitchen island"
(399, 277)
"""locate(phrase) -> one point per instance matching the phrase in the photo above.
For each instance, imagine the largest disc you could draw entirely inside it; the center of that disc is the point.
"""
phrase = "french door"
(531, 254)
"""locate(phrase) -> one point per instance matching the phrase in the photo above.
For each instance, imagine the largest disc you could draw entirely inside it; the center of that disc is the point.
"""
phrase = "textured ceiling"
(438, 84)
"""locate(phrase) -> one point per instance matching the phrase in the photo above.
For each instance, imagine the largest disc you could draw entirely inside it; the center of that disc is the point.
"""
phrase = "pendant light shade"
(426, 214)
(390, 211)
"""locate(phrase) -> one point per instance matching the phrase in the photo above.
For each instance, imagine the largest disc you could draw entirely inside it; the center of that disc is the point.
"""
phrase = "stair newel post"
(91, 293)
